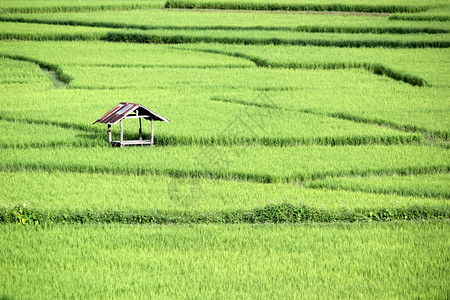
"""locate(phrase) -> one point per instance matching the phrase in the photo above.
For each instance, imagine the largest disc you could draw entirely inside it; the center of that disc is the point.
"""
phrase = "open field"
(404, 260)
(282, 115)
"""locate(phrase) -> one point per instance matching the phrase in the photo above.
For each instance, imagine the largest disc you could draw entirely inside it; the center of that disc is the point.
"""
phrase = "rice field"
(307, 153)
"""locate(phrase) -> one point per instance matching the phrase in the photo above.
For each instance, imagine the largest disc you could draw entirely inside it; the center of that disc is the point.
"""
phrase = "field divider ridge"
(12, 166)
(301, 28)
(275, 213)
(377, 69)
(332, 7)
(77, 8)
(165, 140)
(441, 135)
(60, 78)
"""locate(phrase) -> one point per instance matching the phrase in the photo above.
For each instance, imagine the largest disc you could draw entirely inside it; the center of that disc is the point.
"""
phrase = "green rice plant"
(44, 32)
(380, 6)
(238, 162)
(20, 72)
(41, 6)
(249, 37)
(428, 65)
(356, 98)
(435, 185)
(281, 107)
(401, 113)
(435, 15)
(130, 194)
(53, 54)
(217, 122)
(381, 260)
(240, 125)
(218, 20)
(24, 135)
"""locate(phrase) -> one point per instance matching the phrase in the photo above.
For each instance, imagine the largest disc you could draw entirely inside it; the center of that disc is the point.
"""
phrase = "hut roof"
(123, 109)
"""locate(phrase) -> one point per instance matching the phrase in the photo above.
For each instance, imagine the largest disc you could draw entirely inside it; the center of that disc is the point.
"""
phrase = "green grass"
(42, 32)
(45, 32)
(41, 6)
(380, 6)
(381, 260)
(97, 53)
(257, 37)
(354, 131)
(241, 124)
(439, 15)
(150, 193)
(429, 65)
(239, 162)
(436, 185)
(25, 135)
(13, 71)
(422, 111)
(218, 20)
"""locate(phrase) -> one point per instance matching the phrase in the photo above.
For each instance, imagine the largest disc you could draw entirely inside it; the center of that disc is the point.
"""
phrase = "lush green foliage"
(241, 124)
(60, 53)
(217, 20)
(426, 64)
(44, 32)
(356, 131)
(239, 162)
(24, 135)
(31, 6)
(381, 260)
(440, 15)
(162, 199)
(436, 185)
(19, 72)
(379, 6)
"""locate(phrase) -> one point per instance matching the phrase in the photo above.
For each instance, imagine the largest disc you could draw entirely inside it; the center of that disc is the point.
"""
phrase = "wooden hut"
(126, 110)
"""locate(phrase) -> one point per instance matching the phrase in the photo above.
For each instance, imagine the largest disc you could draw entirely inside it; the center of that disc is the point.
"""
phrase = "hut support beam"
(109, 133)
(140, 129)
(151, 141)
(121, 133)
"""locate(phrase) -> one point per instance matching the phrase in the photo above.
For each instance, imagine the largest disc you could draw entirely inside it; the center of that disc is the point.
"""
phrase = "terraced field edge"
(131, 37)
(77, 8)
(303, 28)
(281, 213)
(238, 5)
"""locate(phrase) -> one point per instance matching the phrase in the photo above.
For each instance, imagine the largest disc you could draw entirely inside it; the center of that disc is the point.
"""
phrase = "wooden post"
(121, 133)
(151, 142)
(109, 133)
(140, 129)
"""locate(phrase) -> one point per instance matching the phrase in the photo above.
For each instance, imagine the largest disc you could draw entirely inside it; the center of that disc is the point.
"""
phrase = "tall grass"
(428, 64)
(25, 135)
(217, 123)
(45, 32)
(382, 260)
(128, 196)
(243, 163)
(298, 39)
(435, 15)
(383, 7)
(217, 20)
(96, 53)
(43, 6)
(436, 185)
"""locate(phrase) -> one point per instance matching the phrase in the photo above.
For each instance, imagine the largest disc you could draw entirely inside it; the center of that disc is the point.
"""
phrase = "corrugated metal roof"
(123, 109)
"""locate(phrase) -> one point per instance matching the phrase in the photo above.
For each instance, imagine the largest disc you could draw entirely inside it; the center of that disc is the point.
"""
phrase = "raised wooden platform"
(131, 143)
